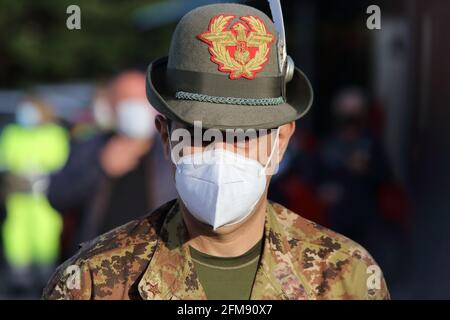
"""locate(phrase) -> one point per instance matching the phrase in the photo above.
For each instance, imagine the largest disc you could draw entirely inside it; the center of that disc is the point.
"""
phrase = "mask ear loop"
(272, 152)
(262, 172)
(170, 144)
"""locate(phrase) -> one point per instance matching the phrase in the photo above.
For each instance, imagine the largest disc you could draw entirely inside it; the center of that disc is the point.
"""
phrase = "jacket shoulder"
(334, 266)
(107, 265)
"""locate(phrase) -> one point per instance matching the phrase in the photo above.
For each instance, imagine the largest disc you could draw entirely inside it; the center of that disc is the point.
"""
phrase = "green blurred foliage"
(36, 46)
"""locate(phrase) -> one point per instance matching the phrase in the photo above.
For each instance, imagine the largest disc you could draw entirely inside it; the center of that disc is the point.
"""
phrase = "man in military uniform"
(222, 238)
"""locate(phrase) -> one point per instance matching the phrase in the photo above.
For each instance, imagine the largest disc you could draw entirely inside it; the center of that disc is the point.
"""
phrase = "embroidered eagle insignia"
(242, 49)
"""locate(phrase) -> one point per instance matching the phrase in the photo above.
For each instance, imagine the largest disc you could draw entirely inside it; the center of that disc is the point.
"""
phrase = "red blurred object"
(303, 200)
(395, 204)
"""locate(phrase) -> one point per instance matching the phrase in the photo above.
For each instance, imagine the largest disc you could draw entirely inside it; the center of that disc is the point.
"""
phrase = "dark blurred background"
(369, 161)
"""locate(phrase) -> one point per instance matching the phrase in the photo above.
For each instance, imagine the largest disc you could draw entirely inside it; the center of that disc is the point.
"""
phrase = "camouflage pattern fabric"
(149, 259)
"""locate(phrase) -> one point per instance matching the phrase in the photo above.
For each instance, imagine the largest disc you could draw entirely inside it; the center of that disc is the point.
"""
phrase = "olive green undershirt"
(226, 278)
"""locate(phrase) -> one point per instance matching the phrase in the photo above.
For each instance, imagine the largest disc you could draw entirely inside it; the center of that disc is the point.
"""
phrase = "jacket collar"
(171, 274)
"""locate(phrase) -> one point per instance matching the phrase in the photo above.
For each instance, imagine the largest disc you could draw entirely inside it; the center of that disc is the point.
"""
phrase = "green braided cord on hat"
(229, 100)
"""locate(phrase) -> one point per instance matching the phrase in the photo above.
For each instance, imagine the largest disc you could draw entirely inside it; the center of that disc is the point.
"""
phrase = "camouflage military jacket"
(149, 259)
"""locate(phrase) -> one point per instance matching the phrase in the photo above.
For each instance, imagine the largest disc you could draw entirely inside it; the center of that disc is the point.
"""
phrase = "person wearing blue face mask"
(30, 150)
(28, 115)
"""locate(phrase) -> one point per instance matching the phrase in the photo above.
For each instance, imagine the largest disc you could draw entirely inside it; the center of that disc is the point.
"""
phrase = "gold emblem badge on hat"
(242, 49)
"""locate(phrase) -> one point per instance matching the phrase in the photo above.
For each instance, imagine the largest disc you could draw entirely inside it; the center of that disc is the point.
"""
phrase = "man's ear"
(161, 125)
(285, 133)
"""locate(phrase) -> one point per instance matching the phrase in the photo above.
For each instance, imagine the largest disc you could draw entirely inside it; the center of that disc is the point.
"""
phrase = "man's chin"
(229, 228)
(208, 229)
(225, 229)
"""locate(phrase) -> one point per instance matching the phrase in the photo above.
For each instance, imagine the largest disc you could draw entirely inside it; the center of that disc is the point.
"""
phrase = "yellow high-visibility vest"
(32, 228)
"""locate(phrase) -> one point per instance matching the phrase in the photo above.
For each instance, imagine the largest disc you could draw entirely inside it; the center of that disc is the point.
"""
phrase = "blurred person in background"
(296, 183)
(357, 184)
(30, 150)
(95, 118)
(119, 173)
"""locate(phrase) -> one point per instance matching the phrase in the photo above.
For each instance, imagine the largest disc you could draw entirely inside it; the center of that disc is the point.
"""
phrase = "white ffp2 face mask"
(220, 187)
(135, 119)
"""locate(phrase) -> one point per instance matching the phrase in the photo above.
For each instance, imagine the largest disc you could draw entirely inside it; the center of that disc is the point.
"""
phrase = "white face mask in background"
(222, 187)
(135, 119)
(103, 114)
(28, 115)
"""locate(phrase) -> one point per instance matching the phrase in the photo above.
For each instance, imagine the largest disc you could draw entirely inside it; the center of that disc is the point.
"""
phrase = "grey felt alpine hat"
(223, 70)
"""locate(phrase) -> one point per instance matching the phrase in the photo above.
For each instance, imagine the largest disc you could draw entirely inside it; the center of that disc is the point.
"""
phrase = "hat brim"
(224, 116)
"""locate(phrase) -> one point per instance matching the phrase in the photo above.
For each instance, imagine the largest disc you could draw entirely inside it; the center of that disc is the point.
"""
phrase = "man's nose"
(223, 145)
